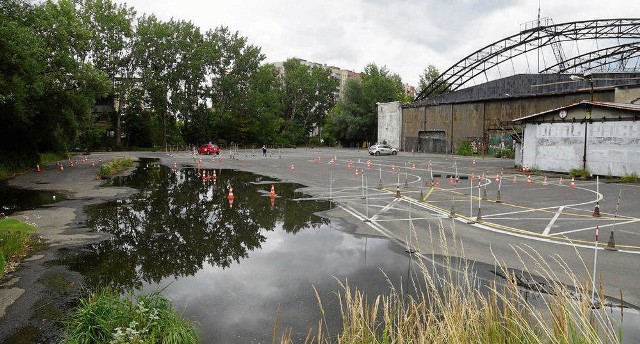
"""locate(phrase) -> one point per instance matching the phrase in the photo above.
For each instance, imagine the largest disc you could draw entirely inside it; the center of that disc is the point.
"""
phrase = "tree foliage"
(355, 118)
(160, 82)
(429, 75)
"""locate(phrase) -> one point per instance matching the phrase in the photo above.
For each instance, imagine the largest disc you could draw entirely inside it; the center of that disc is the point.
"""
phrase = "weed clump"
(106, 317)
(115, 166)
(14, 238)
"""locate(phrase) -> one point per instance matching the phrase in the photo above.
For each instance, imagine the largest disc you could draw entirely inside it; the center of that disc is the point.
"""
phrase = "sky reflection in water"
(231, 268)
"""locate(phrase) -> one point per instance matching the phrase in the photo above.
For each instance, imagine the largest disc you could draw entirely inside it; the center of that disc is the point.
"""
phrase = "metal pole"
(595, 260)
(330, 180)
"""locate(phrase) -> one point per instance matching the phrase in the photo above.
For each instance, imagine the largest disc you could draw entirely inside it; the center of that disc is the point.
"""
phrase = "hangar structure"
(545, 66)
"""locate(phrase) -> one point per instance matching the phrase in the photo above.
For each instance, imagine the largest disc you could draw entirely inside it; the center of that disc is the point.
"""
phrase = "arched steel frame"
(492, 55)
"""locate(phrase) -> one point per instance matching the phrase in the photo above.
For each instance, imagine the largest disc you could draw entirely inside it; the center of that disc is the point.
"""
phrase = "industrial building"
(599, 137)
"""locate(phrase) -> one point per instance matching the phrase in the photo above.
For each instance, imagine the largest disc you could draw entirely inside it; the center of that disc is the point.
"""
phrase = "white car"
(382, 149)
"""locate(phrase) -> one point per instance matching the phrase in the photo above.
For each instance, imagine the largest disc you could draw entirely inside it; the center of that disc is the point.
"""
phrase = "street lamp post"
(586, 76)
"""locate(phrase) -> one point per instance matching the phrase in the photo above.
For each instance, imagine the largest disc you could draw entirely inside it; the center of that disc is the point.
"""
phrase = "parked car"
(382, 149)
(209, 148)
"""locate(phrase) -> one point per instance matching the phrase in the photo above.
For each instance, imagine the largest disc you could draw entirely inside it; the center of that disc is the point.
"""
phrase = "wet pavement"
(536, 225)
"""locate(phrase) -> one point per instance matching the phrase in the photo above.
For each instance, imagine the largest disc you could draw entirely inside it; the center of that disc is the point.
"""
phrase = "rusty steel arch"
(546, 34)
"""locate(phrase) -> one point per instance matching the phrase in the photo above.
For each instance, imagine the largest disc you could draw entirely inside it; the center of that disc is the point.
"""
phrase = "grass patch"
(464, 149)
(115, 166)
(630, 178)
(14, 237)
(580, 173)
(452, 305)
(106, 317)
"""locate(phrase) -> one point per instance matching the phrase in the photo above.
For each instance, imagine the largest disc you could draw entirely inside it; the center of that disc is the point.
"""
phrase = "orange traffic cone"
(230, 196)
(451, 182)
(272, 193)
(93, 163)
(437, 182)
(596, 211)
(393, 168)
(38, 168)
(473, 177)
(529, 181)
(368, 163)
(497, 177)
(292, 167)
(357, 174)
(573, 182)
(413, 166)
(61, 167)
(215, 177)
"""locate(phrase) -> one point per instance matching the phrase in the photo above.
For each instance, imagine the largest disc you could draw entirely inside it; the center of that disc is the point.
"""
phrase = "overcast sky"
(405, 36)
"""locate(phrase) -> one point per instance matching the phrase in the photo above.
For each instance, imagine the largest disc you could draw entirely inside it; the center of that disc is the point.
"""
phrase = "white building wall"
(613, 148)
(390, 123)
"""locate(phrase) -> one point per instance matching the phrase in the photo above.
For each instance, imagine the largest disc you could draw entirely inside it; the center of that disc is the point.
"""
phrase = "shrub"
(14, 237)
(106, 317)
(464, 149)
(580, 173)
(115, 166)
(630, 178)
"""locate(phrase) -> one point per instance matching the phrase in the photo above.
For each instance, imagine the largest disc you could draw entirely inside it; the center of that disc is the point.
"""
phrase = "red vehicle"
(209, 148)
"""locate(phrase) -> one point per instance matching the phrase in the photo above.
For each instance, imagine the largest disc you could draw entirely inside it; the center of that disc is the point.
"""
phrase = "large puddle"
(13, 199)
(232, 267)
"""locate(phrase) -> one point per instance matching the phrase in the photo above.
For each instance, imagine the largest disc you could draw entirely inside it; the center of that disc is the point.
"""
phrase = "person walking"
(264, 151)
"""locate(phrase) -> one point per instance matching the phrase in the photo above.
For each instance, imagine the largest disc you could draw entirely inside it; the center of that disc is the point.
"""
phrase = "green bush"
(630, 178)
(464, 148)
(14, 236)
(580, 173)
(106, 317)
(115, 166)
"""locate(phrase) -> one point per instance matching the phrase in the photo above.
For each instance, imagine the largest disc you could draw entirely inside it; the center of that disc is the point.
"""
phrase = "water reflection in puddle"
(15, 199)
(231, 268)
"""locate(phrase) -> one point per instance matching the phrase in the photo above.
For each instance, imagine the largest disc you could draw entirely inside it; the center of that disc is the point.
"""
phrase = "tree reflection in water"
(176, 223)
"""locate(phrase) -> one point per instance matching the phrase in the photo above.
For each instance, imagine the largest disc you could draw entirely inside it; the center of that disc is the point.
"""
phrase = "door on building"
(432, 141)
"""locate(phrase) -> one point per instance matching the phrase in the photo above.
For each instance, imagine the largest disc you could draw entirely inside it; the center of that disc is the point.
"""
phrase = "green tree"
(230, 62)
(309, 92)
(110, 44)
(355, 118)
(166, 55)
(47, 91)
(429, 75)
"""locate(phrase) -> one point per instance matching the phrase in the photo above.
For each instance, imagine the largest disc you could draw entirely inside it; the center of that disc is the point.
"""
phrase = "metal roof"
(619, 106)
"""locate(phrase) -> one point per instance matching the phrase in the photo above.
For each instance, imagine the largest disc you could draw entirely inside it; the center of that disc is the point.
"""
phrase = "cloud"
(404, 35)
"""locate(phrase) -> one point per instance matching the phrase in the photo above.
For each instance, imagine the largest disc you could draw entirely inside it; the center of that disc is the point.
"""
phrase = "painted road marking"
(553, 220)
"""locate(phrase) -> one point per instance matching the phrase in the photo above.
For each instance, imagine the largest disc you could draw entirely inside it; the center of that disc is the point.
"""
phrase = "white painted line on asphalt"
(409, 219)
(553, 220)
(387, 207)
(593, 227)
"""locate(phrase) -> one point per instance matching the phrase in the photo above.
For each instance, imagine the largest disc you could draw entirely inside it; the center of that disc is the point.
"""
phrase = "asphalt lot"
(542, 227)
(538, 225)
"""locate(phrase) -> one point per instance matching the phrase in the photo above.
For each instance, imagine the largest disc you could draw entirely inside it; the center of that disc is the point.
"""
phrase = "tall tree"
(112, 28)
(230, 62)
(429, 75)
(309, 92)
(355, 118)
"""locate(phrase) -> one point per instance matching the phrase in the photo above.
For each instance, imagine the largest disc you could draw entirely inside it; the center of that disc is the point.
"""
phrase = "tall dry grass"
(451, 304)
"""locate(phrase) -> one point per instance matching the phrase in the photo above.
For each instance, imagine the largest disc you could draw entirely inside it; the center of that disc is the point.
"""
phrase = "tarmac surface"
(544, 224)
